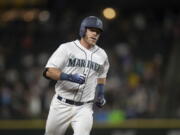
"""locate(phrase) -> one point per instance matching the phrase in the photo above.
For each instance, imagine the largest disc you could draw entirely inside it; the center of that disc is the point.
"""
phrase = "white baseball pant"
(61, 115)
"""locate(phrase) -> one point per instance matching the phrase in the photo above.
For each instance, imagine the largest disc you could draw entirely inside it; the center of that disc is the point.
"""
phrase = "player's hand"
(77, 78)
(100, 102)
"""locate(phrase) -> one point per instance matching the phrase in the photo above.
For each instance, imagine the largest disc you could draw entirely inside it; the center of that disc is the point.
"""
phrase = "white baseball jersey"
(73, 58)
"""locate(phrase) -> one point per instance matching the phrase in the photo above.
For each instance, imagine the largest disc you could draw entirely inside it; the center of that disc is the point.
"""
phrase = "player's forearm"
(56, 74)
(53, 73)
(100, 86)
(101, 81)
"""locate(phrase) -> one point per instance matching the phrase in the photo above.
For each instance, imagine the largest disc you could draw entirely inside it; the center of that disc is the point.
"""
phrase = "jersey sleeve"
(59, 58)
(104, 69)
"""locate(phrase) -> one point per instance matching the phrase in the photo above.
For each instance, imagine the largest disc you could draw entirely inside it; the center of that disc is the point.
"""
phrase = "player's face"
(92, 35)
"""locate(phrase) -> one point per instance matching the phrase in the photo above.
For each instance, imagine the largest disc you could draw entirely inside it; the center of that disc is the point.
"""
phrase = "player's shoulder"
(66, 45)
(101, 51)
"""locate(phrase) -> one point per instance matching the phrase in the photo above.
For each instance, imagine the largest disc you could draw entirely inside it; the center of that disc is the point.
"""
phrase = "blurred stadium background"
(142, 39)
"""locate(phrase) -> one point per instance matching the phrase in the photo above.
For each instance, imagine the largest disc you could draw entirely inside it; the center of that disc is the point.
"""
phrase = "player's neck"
(85, 44)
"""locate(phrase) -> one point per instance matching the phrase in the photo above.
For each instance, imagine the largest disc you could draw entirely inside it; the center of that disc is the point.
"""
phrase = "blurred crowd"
(138, 45)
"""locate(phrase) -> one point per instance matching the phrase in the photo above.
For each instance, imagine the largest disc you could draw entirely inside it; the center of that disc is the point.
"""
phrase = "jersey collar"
(82, 47)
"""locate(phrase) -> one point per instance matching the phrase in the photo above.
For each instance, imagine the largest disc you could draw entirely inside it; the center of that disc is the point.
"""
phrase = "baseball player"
(80, 68)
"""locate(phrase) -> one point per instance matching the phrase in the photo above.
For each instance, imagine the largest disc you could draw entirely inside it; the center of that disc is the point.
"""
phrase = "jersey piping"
(84, 68)
(83, 71)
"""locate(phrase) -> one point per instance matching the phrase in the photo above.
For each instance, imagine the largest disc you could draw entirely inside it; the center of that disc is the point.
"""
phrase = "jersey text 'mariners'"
(75, 62)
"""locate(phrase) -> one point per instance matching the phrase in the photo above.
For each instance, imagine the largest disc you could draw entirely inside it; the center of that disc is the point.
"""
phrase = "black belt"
(72, 102)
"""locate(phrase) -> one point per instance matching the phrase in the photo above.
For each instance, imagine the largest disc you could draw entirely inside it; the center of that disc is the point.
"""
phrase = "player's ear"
(85, 32)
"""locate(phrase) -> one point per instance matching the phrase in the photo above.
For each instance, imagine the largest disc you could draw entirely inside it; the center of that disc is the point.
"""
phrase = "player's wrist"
(100, 90)
(64, 76)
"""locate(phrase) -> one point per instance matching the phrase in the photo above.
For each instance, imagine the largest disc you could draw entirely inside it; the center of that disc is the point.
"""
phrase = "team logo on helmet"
(98, 22)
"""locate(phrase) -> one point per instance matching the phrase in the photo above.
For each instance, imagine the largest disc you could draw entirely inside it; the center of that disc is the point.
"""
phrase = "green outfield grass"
(126, 124)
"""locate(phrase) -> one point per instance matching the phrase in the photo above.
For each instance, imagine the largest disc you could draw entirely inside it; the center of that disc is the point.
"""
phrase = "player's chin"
(93, 42)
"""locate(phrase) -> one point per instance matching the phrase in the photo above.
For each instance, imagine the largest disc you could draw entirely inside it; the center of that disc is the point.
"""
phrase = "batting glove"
(77, 78)
(100, 102)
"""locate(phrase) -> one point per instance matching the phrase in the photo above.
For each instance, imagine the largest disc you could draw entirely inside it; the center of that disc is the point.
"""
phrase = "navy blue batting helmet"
(90, 22)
